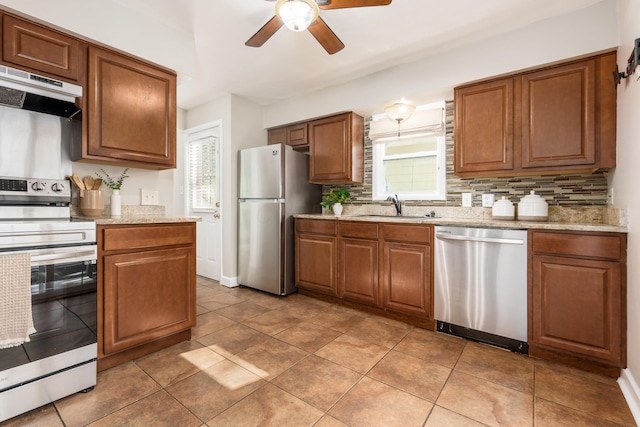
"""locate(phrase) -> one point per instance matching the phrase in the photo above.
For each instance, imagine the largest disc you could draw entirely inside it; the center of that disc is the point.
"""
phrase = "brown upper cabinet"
(550, 120)
(294, 135)
(27, 45)
(336, 148)
(131, 112)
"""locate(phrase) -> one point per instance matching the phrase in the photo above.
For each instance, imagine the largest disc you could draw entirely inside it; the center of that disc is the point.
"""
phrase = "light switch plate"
(149, 197)
(467, 200)
(487, 200)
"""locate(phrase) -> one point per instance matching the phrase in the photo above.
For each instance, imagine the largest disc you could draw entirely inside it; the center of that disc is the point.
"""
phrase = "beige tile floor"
(257, 359)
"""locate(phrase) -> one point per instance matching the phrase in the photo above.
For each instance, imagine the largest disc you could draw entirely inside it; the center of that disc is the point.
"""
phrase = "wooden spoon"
(88, 182)
(97, 183)
(77, 181)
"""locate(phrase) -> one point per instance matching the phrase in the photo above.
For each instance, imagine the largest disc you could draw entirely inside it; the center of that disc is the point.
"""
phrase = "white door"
(203, 196)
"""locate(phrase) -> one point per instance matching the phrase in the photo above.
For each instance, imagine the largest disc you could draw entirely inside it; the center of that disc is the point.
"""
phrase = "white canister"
(116, 204)
(503, 209)
(533, 208)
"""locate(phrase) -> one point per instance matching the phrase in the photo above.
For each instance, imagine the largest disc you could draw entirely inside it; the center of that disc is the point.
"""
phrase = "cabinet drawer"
(361, 230)
(316, 226)
(407, 233)
(605, 246)
(136, 237)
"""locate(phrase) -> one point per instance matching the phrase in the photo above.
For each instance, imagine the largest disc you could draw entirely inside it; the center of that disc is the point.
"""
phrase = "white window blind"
(203, 174)
(421, 123)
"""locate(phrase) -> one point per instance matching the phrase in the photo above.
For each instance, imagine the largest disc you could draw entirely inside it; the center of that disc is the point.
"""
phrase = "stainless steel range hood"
(28, 91)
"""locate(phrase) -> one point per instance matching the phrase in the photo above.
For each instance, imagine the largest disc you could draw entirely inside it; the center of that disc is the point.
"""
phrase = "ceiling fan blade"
(343, 4)
(327, 38)
(264, 33)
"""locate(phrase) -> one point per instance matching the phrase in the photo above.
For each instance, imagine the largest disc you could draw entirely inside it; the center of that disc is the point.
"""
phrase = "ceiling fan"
(300, 15)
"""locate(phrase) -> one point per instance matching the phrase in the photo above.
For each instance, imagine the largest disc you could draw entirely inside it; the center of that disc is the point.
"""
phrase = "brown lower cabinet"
(379, 267)
(577, 298)
(146, 289)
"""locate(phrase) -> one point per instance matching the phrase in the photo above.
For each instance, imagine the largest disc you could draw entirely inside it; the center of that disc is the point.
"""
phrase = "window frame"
(377, 166)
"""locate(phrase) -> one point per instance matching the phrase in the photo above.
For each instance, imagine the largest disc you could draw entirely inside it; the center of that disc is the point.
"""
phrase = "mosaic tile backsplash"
(577, 190)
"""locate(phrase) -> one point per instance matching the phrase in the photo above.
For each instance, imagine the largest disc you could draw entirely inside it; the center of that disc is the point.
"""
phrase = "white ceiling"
(212, 60)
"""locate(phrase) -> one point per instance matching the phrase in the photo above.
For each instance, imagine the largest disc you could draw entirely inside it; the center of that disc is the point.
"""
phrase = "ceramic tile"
(45, 416)
(214, 389)
(178, 362)
(201, 310)
(371, 402)
(308, 336)
(499, 366)
(353, 353)
(116, 388)
(329, 421)
(272, 322)
(486, 402)
(440, 417)
(411, 374)
(208, 323)
(232, 340)
(269, 406)
(549, 414)
(269, 358)
(340, 320)
(317, 381)
(242, 311)
(158, 410)
(373, 330)
(584, 394)
(432, 347)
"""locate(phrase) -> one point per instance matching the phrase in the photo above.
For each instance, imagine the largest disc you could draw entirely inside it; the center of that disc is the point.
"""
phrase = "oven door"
(64, 306)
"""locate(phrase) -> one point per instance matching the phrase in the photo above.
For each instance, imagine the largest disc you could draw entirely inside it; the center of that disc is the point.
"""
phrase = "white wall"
(241, 128)
(624, 181)
(589, 30)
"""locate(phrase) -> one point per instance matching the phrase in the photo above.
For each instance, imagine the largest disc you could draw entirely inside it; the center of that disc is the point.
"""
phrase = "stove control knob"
(57, 187)
(38, 186)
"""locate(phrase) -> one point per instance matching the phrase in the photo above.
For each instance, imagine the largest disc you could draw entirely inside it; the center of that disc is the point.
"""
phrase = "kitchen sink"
(399, 217)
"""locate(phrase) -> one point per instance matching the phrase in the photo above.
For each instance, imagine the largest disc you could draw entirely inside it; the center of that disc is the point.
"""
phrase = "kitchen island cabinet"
(146, 289)
(555, 119)
(336, 149)
(577, 298)
(30, 46)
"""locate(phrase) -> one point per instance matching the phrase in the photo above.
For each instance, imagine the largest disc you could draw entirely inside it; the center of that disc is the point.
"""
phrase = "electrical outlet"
(610, 197)
(487, 200)
(467, 200)
(149, 197)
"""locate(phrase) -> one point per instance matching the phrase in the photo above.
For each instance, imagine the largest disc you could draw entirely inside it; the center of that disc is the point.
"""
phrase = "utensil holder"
(91, 202)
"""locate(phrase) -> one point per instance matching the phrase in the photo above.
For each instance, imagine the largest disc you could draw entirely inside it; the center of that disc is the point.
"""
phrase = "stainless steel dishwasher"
(480, 285)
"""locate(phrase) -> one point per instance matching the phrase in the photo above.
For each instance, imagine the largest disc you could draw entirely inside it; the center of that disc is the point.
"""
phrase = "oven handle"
(61, 255)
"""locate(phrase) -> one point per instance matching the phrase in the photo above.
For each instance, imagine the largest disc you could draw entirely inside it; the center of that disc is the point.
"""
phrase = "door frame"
(187, 133)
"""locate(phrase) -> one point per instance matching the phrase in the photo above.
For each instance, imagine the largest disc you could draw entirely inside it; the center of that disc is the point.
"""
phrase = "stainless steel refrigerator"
(274, 185)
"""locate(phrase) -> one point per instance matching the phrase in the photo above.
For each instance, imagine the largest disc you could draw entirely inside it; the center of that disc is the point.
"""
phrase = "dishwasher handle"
(445, 236)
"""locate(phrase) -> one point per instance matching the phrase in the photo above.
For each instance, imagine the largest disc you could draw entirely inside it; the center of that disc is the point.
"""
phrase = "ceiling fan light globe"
(297, 15)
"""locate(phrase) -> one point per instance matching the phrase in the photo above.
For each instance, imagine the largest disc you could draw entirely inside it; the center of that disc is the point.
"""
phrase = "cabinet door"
(38, 48)
(316, 263)
(336, 148)
(576, 307)
(359, 270)
(558, 116)
(406, 278)
(132, 112)
(146, 296)
(297, 135)
(277, 136)
(484, 127)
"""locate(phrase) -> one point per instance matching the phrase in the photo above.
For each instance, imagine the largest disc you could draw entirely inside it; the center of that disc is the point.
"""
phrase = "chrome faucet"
(396, 203)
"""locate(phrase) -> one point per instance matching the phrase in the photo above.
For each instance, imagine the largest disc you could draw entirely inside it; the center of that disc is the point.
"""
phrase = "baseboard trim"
(229, 282)
(631, 393)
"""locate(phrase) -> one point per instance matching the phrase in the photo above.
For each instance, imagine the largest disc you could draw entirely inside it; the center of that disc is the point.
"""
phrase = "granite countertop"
(133, 214)
(568, 219)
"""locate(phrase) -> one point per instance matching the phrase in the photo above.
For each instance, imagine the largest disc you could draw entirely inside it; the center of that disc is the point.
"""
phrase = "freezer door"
(260, 245)
(261, 171)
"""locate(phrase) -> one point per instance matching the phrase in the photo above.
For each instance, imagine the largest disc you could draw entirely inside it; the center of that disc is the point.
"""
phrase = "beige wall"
(624, 182)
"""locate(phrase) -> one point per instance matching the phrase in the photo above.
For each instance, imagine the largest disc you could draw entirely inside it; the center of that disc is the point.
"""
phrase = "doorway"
(203, 197)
